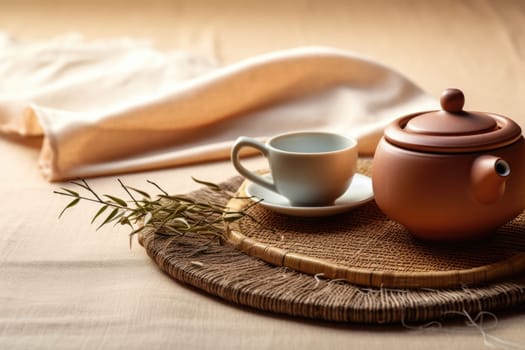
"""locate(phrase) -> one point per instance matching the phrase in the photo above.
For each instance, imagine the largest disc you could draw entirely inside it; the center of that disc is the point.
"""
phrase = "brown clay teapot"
(450, 174)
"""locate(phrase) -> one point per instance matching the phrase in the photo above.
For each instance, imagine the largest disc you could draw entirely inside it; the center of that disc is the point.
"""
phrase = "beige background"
(65, 285)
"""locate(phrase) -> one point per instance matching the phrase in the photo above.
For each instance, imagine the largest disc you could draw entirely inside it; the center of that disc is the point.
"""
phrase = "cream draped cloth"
(108, 107)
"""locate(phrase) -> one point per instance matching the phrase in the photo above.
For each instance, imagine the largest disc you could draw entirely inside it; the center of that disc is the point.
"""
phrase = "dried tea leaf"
(142, 193)
(210, 185)
(71, 204)
(109, 217)
(75, 194)
(183, 220)
(100, 211)
(117, 200)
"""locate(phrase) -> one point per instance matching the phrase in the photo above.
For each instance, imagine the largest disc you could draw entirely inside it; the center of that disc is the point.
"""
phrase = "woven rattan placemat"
(223, 271)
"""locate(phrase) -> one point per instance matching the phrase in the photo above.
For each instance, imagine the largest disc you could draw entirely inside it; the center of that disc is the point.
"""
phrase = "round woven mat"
(225, 272)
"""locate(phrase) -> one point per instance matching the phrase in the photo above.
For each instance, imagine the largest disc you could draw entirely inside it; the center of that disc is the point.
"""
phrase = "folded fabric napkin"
(109, 107)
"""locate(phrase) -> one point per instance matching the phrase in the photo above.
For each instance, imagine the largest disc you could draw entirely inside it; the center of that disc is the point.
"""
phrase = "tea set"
(444, 175)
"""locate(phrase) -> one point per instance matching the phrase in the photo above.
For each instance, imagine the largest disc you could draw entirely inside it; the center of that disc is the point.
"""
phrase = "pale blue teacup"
(309, 168)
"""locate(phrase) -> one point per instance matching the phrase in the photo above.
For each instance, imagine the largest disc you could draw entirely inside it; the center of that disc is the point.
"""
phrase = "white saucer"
(358, 193)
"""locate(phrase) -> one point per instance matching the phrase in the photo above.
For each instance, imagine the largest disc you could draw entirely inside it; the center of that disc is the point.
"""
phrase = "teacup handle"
(244, 141)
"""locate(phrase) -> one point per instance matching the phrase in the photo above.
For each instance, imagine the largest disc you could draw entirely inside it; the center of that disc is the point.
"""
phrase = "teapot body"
(433, 194)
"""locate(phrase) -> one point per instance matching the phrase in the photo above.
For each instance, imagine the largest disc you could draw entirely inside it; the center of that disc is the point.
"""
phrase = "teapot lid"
(451, 129)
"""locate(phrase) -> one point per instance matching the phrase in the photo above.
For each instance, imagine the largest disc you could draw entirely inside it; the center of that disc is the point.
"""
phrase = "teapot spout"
(488, 178)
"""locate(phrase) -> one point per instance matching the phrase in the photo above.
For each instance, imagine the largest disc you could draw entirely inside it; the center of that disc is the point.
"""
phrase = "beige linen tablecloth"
(66, 286)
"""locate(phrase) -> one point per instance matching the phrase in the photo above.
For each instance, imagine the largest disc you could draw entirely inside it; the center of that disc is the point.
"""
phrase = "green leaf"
(71, 204)
(117, 217)
(73, 193)
(210, 185)
(109, 217)
(117, 200)
(100, 211)
(125, 221)
(142, 193)
(137, 231)
(158, 187)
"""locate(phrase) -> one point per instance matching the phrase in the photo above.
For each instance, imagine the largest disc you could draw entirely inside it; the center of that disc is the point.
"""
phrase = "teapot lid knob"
(452, 100)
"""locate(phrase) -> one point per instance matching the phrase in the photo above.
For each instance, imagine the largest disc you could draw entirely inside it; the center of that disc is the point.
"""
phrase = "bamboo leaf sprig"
(167, 215)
